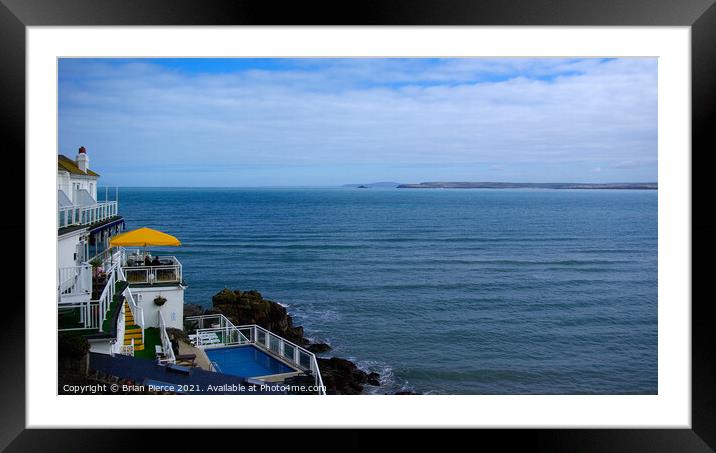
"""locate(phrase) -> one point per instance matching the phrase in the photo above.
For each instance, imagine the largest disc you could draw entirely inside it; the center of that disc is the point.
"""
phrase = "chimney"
(83, 159)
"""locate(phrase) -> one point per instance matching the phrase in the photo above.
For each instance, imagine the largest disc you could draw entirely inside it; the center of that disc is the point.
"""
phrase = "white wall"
(66, 248)
(172, 310)
(63, 183)
(67, 181)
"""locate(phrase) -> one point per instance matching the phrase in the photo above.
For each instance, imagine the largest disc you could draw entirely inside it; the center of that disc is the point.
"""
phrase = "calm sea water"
(440, 291)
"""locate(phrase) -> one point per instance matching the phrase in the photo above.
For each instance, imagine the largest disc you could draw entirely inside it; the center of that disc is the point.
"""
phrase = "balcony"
(86, 215)
(168, 272)
(77, 307)
(74, 281)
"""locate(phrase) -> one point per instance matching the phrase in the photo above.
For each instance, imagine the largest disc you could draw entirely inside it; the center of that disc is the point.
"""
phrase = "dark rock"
(318, 348)
(407, 392)
(373, 379)
(250, 307)
(177, 334)
(343, 377)
(193, 310)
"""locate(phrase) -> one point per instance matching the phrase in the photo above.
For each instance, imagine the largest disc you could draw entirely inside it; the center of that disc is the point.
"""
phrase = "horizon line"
(347, 185)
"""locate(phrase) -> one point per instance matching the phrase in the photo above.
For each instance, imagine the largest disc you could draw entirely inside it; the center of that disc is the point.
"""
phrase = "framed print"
(412, 217)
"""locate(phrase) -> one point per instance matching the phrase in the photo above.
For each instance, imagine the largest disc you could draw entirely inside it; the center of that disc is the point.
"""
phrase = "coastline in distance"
(529, 185)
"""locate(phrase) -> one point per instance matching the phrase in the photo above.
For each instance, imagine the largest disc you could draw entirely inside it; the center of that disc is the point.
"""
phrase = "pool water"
(246, 361)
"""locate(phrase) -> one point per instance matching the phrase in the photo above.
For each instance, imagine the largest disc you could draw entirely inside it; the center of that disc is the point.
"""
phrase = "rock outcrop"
(249, 307)
(343, 377)
(318, 348)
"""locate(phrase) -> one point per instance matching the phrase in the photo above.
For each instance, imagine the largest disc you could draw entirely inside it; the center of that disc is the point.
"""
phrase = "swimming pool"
(246, 361)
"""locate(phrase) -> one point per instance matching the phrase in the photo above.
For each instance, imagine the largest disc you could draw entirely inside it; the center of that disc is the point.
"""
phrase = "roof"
(84, 198)
(70, 229)
(66, 164)
(94, 226)
(109, 223)
(63, 200)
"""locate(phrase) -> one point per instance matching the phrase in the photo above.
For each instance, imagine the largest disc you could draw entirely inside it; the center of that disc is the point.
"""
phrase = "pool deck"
(202, 361)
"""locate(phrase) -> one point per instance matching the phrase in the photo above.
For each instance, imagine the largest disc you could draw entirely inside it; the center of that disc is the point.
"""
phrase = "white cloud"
(366, 112)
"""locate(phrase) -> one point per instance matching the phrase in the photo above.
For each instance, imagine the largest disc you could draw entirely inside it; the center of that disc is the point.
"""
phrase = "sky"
(323, 122)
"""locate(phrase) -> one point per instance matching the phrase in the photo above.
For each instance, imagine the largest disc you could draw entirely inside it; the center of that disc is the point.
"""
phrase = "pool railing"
(218, 331)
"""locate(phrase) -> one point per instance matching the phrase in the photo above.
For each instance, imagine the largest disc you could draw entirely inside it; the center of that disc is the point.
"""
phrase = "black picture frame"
(700, 15)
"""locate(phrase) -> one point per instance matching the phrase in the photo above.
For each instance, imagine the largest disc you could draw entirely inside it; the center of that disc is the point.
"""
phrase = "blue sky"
(321, 122)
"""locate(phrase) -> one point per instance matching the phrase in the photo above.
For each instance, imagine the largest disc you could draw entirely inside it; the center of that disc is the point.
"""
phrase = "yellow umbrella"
(142, 237)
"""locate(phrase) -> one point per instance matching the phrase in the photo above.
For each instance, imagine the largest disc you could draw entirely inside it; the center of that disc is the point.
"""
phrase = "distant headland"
(530, 185)
(373, 184)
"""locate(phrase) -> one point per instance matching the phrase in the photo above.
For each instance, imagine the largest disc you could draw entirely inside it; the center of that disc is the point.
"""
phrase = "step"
(133, 330)
(137, 341)
(139, 347)
(132, 335)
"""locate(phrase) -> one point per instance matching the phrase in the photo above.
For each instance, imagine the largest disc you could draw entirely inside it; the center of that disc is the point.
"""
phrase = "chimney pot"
(82, 160)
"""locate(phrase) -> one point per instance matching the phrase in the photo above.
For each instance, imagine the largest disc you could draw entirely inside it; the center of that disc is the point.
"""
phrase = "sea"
(440, 291)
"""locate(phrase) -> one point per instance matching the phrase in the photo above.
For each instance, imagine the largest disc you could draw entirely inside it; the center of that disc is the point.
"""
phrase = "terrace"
(86, 215)
(166, 271)
(84, 296)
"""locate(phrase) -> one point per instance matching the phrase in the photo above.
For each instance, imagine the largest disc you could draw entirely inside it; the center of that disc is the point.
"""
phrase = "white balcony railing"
(118, 346)
(169, 271)
(136, 310)
(108, 257)
(166, 342)
(86, 313)
(75, 280)
(86, 215)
